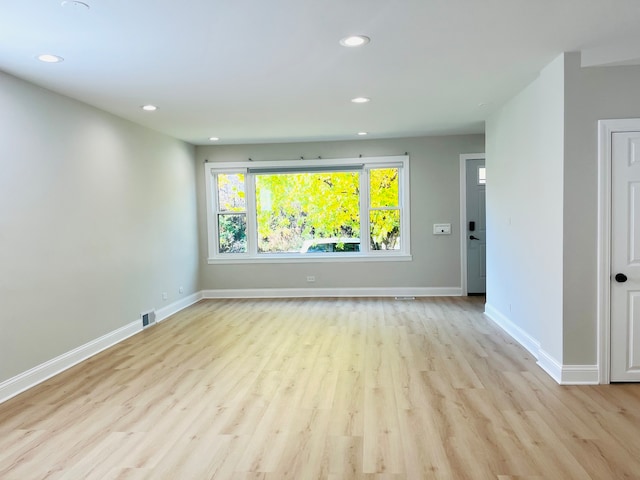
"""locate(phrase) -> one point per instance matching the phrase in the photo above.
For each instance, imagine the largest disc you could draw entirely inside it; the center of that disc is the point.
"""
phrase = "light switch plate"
(442, 229)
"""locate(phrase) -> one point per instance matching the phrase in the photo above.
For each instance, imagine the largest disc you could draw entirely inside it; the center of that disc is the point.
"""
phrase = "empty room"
(352, 239)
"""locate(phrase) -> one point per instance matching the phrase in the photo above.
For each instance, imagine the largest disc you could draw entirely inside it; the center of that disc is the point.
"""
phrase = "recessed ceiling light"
(214, 139)
(360, 100)
(48, 58)
(75, 4)
(362, 134)
(354, 41)
(149, 108)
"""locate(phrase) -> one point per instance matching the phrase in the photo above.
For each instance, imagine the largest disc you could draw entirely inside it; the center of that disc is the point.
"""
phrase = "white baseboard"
(24, 381)
(165, 312)
(568, 374)
(550, 365)
(562, 374)
(519, 335)
(40, 373)
(580, 375)
(333, 292)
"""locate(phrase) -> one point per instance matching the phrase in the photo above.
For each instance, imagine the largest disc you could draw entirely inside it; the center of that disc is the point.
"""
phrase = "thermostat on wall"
(442, 229)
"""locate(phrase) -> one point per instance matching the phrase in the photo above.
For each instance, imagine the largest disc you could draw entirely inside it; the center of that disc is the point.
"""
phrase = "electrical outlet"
(181, 290)
(311, 278)
(164, 295)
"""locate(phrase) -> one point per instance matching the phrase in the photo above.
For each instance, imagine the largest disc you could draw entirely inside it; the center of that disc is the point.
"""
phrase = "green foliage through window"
(294, 207)
(233, 233)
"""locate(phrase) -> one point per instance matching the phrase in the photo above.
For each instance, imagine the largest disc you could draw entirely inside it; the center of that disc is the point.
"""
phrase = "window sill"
(312, 259)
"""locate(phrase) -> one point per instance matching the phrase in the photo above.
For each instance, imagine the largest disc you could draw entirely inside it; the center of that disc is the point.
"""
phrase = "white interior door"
(625, 257)
(476, 180)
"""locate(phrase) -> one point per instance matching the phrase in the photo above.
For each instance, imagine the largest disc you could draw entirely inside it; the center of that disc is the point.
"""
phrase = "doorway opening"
(473, 181)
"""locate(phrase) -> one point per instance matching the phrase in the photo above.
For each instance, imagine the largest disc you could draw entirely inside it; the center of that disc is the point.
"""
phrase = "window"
(231, 213)
(308, 210)
(292, 208)
(482, 176)
(384, 209)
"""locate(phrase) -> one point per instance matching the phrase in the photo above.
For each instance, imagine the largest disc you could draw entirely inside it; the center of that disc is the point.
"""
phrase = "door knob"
(472, 237)
(620, 277)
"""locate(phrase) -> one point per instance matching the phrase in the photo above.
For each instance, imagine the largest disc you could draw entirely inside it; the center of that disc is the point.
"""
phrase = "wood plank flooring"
(319, 389)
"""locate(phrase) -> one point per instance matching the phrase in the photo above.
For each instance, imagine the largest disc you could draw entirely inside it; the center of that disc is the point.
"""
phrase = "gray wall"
(97, 219)
(435, 198)
(525, 150)
(591, 94)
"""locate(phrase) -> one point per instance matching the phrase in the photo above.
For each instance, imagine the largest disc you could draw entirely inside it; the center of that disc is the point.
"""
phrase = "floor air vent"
(148, 318)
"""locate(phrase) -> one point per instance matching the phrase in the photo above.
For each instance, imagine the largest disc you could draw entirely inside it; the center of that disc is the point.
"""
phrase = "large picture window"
(308, 210)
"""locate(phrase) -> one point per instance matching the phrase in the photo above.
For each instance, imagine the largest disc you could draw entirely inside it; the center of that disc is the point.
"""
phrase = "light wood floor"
(319, 389)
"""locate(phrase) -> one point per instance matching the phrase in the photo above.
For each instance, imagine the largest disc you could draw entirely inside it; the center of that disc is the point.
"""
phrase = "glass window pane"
(233, 232)
(231, 192)
(384, 229)
(383, 187)
(482, 176)
(295, 209)
(332, 244)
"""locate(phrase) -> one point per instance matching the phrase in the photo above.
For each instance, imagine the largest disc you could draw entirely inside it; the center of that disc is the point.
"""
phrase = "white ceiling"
(273, 71)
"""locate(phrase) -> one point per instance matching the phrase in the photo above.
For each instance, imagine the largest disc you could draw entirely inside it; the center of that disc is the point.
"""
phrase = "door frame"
(603, 316)
(463, 216)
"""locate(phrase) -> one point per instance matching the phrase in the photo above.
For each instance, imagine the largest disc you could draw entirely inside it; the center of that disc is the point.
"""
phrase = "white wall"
(97, 219)
(525, 152)
(435, 198)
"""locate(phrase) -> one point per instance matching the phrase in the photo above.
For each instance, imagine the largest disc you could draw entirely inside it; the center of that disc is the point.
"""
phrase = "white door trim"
(463, 216)
(605, 129)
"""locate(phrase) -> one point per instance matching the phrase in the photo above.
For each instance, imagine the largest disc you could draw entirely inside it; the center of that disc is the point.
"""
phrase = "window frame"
(364, 164)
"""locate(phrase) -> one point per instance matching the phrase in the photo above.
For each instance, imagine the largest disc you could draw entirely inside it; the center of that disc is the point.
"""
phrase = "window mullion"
(364, 211)
(252, 220)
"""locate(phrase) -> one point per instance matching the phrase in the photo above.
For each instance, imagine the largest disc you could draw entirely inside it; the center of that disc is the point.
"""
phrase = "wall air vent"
(148, 318)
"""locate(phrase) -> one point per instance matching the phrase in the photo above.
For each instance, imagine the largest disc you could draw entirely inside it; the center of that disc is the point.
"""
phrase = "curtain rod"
(326, 158)
(320, 158)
